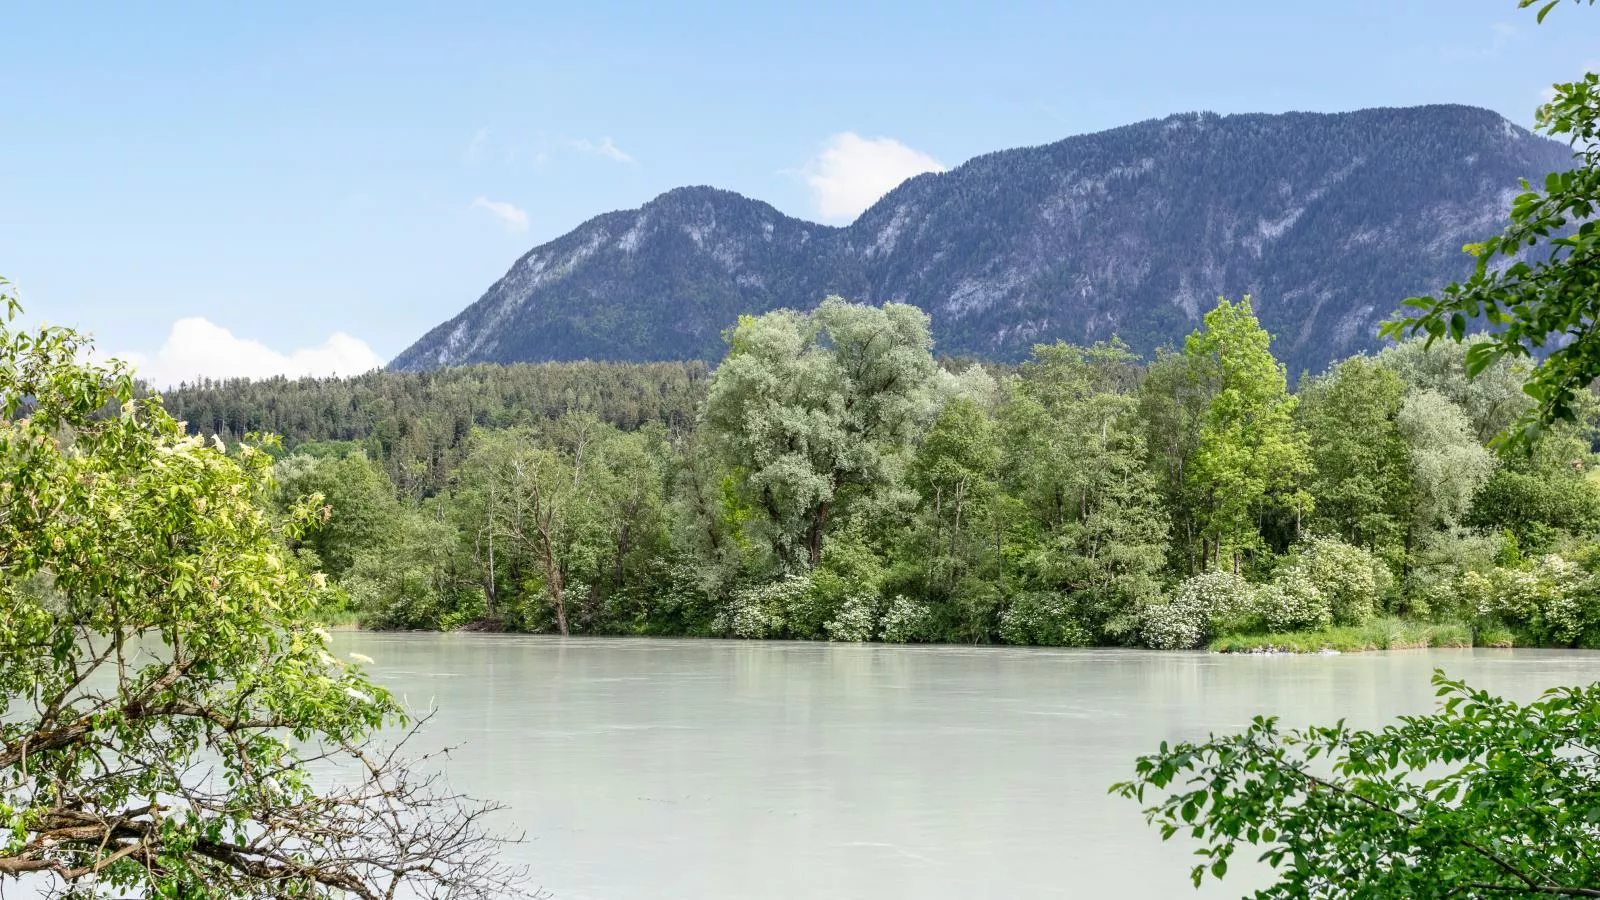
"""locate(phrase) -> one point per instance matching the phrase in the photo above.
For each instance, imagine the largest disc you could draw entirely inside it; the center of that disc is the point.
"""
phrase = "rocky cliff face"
(1328, 220)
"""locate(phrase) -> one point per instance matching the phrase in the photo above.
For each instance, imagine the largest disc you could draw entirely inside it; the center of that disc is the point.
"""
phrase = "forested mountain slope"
(1328, 220)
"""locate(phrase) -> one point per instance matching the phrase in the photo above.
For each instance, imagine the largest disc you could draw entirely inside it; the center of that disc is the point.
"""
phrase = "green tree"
(411, 579)
(955, 472)
(1544, 304)
(810, 409)
(541, 502)
(1251, 459)
(1492, 398)
(164, 693)
(1361, 478)
(1545, 495)
(1447, 466)
(1076, 461)
(362, 511)
(953, 544)
(1484, 798)
(1172, 407)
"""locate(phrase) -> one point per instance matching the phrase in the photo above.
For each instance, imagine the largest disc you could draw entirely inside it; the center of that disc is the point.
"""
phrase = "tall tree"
(1361, 481)
(1173, 402)
(808, 408)
(1076, 459)
(1492, 398)
(1447, 465)
(362, 511)
(955, 472)
(539, 504)
(1251, 459)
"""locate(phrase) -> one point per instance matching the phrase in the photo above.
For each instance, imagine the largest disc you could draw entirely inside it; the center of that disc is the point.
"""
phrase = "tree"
(1447, 465)
(540, 498)
(1548, 304)
(1492, 398)
(1484, 798)
(808, 408)
(362, 511)
(1172, 407)
(165, 695)
(1250, 459)
(1546, 494)
(1361, 478)
(955, 473)
(1076, 460)
(410, 579)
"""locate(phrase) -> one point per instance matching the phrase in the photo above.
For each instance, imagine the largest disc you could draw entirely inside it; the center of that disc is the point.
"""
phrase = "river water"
(648, 769)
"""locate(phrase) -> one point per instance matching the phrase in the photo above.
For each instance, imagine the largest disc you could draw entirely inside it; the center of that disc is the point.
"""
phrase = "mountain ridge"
(1328, 219)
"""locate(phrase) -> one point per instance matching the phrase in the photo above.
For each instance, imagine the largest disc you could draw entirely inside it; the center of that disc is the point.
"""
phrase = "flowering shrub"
(906, 620)
(1351, 578)
(763, 610)
(1196, 609)
(1045, 618)
(1554, 600)
(857, 619)
(1292, 602)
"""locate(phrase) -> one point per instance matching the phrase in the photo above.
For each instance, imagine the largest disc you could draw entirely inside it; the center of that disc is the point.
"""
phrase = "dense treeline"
(832, 480)
(416, 424)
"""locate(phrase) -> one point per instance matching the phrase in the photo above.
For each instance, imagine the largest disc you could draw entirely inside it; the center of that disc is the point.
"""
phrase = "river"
(648, 769)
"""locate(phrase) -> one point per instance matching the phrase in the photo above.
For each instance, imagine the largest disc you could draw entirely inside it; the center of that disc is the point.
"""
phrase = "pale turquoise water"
(708, 770)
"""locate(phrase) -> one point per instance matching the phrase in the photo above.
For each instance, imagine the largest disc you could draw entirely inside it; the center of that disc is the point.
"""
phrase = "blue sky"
(239, 182)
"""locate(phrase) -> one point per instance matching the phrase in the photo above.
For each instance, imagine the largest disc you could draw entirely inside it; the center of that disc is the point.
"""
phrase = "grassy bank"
(1379, 634)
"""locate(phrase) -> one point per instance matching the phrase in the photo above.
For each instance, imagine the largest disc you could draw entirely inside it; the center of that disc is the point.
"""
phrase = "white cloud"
(515, 219)
(475, 147)
(198, 347)
(852, 172)
(606, 148)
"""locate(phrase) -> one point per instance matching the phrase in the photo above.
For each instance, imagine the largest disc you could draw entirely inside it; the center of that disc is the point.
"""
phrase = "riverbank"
(1379, 634)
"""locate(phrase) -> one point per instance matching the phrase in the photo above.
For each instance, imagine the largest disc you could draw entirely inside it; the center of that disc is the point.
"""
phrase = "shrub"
(1045, 618)
(906, 620)
(1292, 602)
(1554, 600)
(857, 619)
(1196, 610)
(763, 610)
(1350, 577)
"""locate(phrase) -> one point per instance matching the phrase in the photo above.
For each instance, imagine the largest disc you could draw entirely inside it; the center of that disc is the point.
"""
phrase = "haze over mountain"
(1327, 220)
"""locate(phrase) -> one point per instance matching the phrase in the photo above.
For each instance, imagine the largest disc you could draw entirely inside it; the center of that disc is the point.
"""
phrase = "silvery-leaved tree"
(171, 724)
(807, 408)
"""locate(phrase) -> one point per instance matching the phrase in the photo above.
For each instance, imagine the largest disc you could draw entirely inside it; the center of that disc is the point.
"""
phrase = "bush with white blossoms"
(1192, 615)
(857, 619)
(762, 611)
(1350, 577)
(1554, 600)
(906, 620)
(1292, 602)
(1043, 618)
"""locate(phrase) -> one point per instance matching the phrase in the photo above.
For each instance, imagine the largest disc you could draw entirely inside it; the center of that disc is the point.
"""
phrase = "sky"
(307, 187)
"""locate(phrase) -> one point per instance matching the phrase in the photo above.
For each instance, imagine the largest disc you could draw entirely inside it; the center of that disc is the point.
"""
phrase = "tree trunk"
(492, 607)
(557, 594)
(553, 579)
(819, 522)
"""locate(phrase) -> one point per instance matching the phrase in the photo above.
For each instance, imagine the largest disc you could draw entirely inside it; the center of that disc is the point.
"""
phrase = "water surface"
(646, 769)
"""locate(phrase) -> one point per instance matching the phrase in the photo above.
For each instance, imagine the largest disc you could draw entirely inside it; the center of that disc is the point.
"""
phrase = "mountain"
(1328, 220)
